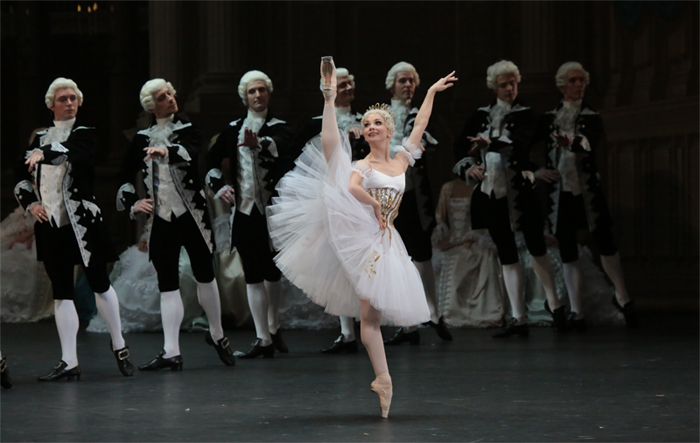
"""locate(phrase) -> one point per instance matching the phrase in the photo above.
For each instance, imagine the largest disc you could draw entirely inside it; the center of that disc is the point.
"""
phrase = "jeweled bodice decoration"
(390, 199)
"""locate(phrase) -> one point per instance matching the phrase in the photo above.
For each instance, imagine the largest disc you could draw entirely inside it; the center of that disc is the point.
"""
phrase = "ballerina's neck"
(380, 151)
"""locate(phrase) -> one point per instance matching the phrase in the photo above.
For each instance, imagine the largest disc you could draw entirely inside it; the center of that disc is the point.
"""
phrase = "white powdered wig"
(61, 83)
(151, 87)
(566, 67)
(249, 77)
(386, 115)
(341, 72)
(400, 67)
(501, 68)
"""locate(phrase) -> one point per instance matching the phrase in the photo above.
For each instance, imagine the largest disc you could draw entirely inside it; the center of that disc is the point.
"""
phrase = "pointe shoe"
(441, 329)
(329, 80)
(257, 350)
(222, 348)
(174, 363)
(60, 371)
(5, 380)
(279, 343)
(123, 356)
(512, 328)
(340, 346)
(385, 390)
(402, 337)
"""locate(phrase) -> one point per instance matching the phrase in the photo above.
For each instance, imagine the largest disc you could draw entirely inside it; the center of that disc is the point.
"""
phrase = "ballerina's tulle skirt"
(331, 247)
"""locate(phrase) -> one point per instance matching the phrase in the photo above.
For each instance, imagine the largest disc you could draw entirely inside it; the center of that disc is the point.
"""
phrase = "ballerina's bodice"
(387, 190)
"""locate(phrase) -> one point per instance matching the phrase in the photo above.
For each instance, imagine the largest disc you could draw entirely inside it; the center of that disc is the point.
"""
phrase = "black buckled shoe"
(123, 356)
(578, 325)
(559, 320)
(279, 344)
(628, 311)
(257, 350)
(174, 363)
(59, 371)
(340, 346)
(441, 329)
(402, 337)
(512, 328)
(5, 380)
(222, 348)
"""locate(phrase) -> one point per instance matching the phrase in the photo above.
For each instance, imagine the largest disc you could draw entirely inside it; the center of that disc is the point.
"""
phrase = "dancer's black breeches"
(60, 264)
(498, 223)
(167, 238)
(570, 218)
(408, 223)
(252, 240)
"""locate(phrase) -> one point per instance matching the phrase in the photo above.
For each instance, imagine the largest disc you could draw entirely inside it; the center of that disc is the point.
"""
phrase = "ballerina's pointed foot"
(382, 386)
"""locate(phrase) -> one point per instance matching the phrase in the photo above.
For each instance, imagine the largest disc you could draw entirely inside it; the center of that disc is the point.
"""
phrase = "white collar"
(64, 123)
(503, 104)
(343, 109)
(165, 120)
(256, 114)
(395, 103)
(575, 104)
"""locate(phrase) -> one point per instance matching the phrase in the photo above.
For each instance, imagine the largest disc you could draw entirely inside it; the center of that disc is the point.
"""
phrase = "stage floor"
(609, 384)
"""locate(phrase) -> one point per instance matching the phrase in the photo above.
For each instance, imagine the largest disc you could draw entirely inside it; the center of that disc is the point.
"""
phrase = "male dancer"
(495, 147)
(69, 228)
(350, 125)
(416, 219)
(257, 148)
(167, 154)
(573, 132)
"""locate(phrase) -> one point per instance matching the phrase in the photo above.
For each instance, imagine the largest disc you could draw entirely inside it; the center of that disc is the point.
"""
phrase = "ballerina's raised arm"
(427, 108)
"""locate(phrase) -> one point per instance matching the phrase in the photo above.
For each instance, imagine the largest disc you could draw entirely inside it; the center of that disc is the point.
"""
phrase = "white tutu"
(330, 244)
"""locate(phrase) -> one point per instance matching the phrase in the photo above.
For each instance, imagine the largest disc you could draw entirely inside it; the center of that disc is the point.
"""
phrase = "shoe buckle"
(123, 354)
(224, 343)
(3, 365)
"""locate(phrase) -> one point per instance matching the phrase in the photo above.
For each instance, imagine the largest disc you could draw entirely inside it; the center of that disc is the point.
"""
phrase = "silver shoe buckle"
(224, 343)
(123, 354)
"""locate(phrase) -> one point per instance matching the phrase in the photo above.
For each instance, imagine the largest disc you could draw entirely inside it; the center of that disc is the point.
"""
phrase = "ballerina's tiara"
(383, 107)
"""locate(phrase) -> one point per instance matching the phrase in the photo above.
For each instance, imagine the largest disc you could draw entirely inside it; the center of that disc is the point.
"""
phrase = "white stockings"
(108, 307)
(259, 305)
(513, 279)
(208, 296)
(67, 324)
(171, 312)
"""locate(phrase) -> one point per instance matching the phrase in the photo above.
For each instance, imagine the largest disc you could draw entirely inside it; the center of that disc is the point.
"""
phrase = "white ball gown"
(330, 244)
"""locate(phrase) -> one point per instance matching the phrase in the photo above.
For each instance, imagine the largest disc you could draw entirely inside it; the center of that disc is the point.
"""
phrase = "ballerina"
(333, 226)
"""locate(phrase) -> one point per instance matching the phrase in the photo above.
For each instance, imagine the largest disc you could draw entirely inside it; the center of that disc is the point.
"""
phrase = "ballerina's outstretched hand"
(445, 82)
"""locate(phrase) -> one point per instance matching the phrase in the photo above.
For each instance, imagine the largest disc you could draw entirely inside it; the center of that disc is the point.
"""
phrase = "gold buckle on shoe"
(224, 343)
(123, 354)
(3, 365)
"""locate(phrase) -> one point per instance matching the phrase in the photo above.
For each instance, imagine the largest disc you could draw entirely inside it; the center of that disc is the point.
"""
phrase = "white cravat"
(566, 123)
(345, 118)
(168, 201)
(496, 179)
(249, 172)
(400, 109)
(52, 176)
